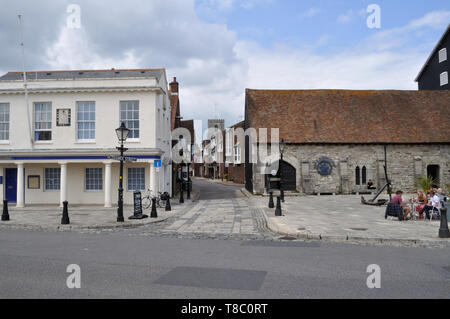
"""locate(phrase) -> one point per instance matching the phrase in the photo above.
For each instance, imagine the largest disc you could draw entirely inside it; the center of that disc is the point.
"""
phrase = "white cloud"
(74, 50)
(226, 5)
(350, 15)
(295, 69)
(310, 13)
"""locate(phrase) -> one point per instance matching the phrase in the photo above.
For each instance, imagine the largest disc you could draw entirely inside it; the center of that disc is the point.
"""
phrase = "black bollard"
(153, 214)
(271, 204)
(188, 191)
(65, 216)
(278, 209)
(282, 195)
(168, 207)
(443, 230)
(181, 193)
(5, 214)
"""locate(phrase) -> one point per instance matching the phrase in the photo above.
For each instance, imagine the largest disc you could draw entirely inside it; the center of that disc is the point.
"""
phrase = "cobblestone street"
(221, 212)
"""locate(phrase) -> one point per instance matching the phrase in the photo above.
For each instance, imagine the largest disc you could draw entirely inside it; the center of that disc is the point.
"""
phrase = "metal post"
(120, 218)
(154, 213)
(168, 207)
(65, 215)
(181, 191)
(443, 230)
(281, 179)
(188, 196)
(278, 209)
(5, 214)
(271, 204)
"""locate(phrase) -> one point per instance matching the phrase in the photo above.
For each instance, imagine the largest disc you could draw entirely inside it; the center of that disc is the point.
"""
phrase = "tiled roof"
(83, 74)
(240, 124)
(345, 116)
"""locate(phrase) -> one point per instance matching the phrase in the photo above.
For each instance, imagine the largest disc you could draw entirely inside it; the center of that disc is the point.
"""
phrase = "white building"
(59, 150)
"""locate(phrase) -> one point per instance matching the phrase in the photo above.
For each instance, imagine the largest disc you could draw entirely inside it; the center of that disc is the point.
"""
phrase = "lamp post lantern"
(282, 147)
(122, 134)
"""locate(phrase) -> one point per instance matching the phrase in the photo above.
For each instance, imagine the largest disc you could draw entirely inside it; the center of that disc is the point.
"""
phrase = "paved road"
(33, 265)
(162, 261)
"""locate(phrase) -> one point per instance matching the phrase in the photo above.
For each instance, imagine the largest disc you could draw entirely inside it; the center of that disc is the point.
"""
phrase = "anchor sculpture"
(388, 185)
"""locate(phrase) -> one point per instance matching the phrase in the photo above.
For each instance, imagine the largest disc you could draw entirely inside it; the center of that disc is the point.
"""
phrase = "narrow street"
(222, 211)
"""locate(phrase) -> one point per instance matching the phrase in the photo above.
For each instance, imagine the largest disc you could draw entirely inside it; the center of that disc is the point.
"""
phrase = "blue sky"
(302, 24)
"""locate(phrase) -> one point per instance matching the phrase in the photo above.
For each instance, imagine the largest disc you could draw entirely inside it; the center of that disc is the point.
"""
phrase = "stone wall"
(405, 164)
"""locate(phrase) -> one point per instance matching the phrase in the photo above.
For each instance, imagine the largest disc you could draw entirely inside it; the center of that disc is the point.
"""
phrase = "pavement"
(227, 211)
(345, 219)
(84, 217)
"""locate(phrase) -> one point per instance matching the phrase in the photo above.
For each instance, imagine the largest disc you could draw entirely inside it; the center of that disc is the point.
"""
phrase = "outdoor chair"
(394, 210)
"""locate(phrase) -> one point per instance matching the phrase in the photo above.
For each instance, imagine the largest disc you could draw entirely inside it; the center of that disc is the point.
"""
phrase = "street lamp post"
(122, 134)
(282, 146)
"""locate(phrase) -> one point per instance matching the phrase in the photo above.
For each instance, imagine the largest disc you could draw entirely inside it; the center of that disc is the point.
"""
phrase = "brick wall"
(237, 173)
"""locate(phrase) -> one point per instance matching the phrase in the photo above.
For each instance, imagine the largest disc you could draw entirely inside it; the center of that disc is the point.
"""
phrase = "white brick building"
(59, 150)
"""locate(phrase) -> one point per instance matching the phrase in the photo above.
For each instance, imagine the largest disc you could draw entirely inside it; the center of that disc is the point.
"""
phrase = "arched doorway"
(288, 175)
(433, 171)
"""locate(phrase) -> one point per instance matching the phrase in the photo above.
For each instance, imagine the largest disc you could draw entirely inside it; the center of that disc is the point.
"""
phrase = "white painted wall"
(154, 117)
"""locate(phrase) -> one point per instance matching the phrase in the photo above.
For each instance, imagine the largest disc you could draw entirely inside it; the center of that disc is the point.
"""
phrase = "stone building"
(335, 139)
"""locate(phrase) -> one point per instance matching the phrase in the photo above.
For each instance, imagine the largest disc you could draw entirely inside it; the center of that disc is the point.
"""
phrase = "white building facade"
(56, 141)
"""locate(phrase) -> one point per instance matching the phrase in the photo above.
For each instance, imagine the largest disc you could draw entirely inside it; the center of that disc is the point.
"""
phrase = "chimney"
(174, 86)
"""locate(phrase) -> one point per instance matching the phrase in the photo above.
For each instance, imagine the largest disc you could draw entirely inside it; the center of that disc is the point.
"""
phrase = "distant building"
(213, 151)
(335, 138)
(434, 75)
(234, 163)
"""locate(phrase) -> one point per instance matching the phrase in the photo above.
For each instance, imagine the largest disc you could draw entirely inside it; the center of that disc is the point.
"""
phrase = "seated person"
(421, 199)
(440, 194)
(370, 184)
(433, 204)
(398, 200)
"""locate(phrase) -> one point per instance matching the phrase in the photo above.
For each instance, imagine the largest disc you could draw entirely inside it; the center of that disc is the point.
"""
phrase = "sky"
(218, 48)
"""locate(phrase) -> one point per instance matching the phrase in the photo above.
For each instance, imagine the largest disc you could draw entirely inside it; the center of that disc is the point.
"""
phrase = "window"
(94, 179)
(52, 178)
(4, 122)
(136, 178)
(42, 121)
(129, 114)
(444, 78)
(364, 176)
(443, 55)
(86, 120)
(237, 154)
(358, 176)
(229, 137)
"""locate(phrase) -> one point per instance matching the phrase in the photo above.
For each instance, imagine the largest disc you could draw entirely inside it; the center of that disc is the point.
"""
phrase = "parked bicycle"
(160, 200)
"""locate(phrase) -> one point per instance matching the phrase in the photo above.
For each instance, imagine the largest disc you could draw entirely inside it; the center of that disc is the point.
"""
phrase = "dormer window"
(442, 55)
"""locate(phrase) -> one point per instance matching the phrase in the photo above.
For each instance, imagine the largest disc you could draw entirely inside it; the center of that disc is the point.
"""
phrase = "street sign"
(123, 158)
(157, 163)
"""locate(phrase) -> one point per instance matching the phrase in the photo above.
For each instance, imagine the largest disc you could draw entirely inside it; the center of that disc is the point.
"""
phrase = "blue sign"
(324, 166)
(1, 180)
(157, 163)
